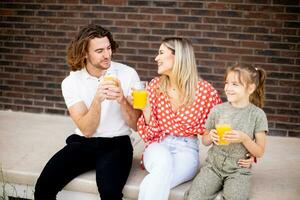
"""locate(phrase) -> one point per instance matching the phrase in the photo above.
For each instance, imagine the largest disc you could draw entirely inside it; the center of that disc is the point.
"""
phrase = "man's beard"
(101, 66)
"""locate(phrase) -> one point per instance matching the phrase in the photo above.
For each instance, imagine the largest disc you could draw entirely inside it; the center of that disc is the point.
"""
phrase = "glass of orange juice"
(139, 95)
(221, 129)
(111, 75)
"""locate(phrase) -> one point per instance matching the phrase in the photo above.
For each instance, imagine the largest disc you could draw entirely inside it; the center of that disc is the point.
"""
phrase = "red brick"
(217, 6)
(215, 34)
(242, 22)
(64, 1)
(68, 14)
(285, 31)
(189, 33)
(258, 15)
(229, 28)
(215, 20)
(138, 17)
(277, 89)
(259, 45)
(278, 118)
(151, 24)
(125, 37)
(33, 51)
(240, 51)
(289, 83)
(292, 54)
(274, 9)
(191, 4)
(164, 18)
(227, 42)
(291, 17)
(6, 12)
(246, 7)
(202, 27)
(115, 2)
(152, 10)
(226, 57)
(254, 59)
(203, 12)
(136, 44)
(127, 23)
(270, 23)
(203, 55)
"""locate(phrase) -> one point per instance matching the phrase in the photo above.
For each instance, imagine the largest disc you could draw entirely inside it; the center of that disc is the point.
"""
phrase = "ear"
(251, 88)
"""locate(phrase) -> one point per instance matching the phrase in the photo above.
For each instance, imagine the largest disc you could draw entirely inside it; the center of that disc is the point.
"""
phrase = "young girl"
(244, 88)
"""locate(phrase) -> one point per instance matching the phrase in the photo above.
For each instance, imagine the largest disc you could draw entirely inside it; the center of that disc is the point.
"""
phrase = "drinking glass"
(139, 95)
(111, 75)
(223, 125)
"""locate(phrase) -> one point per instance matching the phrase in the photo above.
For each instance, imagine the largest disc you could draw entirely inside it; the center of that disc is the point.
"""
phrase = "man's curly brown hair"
(78, 47)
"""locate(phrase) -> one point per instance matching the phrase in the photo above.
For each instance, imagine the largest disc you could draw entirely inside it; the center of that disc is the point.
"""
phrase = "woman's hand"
(246, 163)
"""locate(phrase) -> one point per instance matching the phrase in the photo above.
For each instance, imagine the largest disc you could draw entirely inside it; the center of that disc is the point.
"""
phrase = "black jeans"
(111, 157)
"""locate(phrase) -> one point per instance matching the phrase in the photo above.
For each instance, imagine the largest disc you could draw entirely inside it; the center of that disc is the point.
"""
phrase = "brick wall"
(34, 35)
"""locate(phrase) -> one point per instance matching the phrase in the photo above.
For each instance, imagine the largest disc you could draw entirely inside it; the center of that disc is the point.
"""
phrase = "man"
(103, 117)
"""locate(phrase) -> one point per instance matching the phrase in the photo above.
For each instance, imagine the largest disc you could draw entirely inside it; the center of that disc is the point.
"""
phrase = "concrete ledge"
(27, 141)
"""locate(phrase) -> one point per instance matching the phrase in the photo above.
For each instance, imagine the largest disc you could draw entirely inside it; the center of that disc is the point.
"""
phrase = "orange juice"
(111, 78)
(139, 99)
(221, 129)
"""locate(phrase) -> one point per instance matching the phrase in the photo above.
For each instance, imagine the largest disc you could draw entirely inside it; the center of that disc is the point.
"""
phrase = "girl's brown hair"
(78, 47)
(247, 75)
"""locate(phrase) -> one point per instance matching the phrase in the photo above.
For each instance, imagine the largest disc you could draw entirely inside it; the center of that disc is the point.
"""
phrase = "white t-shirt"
(81, 86)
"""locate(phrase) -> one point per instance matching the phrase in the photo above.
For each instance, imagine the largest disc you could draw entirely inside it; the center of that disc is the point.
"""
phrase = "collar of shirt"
(87, 76)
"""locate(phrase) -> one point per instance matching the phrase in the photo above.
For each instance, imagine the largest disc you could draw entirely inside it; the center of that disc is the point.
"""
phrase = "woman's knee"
(158, 157)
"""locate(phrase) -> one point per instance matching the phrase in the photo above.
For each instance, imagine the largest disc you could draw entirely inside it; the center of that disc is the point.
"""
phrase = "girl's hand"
(214, 136)
(246, 163)
(235, 136)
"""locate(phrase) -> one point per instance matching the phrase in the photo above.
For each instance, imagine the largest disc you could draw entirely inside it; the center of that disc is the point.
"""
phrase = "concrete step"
(27, 141)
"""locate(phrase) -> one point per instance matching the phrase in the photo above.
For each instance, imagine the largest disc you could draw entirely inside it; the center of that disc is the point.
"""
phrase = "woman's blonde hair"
(247, 75)
(184, 70)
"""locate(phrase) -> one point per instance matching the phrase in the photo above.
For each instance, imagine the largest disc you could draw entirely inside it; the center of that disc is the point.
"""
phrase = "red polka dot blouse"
(186, 121)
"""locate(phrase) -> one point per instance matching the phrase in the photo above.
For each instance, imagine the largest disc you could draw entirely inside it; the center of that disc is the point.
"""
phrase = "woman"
(178, 105)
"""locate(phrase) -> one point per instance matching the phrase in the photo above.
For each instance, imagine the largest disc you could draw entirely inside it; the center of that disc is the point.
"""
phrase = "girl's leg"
(205, 186)
(158, 162)
(237, 187)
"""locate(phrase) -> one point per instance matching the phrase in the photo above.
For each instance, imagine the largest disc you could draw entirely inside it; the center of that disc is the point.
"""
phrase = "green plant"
(2, 182)
(5, 185)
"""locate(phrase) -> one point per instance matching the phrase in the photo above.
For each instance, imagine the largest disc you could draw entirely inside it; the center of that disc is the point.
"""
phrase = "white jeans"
(173, 161)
